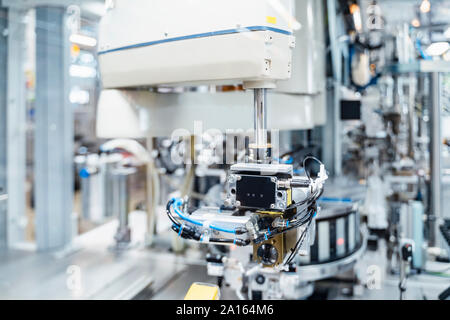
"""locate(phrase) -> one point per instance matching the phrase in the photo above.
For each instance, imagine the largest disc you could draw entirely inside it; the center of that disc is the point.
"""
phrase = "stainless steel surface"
(435, 155)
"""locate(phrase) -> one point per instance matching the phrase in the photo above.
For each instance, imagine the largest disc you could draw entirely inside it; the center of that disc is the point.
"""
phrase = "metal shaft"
(122, 193)
(435, 156)
(260, 117)
(261, 146)
(411, 114)
(124, 200)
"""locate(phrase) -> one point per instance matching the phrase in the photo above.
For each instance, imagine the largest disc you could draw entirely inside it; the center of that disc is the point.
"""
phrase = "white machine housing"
(172, 42)
(297, 103)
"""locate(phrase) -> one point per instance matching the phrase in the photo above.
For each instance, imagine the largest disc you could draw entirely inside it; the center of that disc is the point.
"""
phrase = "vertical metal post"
(151, 202)
(260, 117)
(411, 114)
(3, 123)
(435, 156)
(16, 127)
(122, 193)
(260, 125)
(337, 80)
(54, 131)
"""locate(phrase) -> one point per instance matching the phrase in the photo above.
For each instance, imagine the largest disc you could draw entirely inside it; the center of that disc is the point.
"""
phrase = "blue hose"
(179, 202)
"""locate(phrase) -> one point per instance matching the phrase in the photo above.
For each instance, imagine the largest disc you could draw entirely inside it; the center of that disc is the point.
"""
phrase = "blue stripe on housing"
(199, 35)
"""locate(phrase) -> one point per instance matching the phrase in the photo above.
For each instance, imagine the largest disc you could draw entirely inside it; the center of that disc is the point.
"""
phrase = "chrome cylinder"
(260, 149)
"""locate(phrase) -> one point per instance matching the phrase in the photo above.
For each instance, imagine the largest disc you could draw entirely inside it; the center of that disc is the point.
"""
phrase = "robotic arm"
(176, 42)
(266, 206)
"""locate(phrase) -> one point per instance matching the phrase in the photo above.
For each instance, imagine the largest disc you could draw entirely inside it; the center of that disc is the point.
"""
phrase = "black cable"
(316, 195)
(308, 200)
(169, 213)
(300, 241)
(298, 244)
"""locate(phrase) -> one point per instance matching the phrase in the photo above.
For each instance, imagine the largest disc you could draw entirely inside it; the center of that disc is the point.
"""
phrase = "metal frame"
(16, 129)
(435, 156)
(3, 123)
(54, 132)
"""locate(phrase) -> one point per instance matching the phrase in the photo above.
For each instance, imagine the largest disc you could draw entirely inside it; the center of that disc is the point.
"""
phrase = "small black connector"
(187, 232)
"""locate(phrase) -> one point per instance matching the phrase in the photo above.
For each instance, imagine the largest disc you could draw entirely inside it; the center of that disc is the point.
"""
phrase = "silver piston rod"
(261, 147)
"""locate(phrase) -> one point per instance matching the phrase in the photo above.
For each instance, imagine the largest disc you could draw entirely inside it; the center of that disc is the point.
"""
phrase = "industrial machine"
(269, 212)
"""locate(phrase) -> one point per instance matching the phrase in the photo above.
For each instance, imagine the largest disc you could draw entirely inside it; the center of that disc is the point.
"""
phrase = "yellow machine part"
(282, 242)
(288, 202)
(203, 291)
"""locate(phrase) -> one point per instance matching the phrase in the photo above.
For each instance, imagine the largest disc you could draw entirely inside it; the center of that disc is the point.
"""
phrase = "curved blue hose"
(178, 202)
